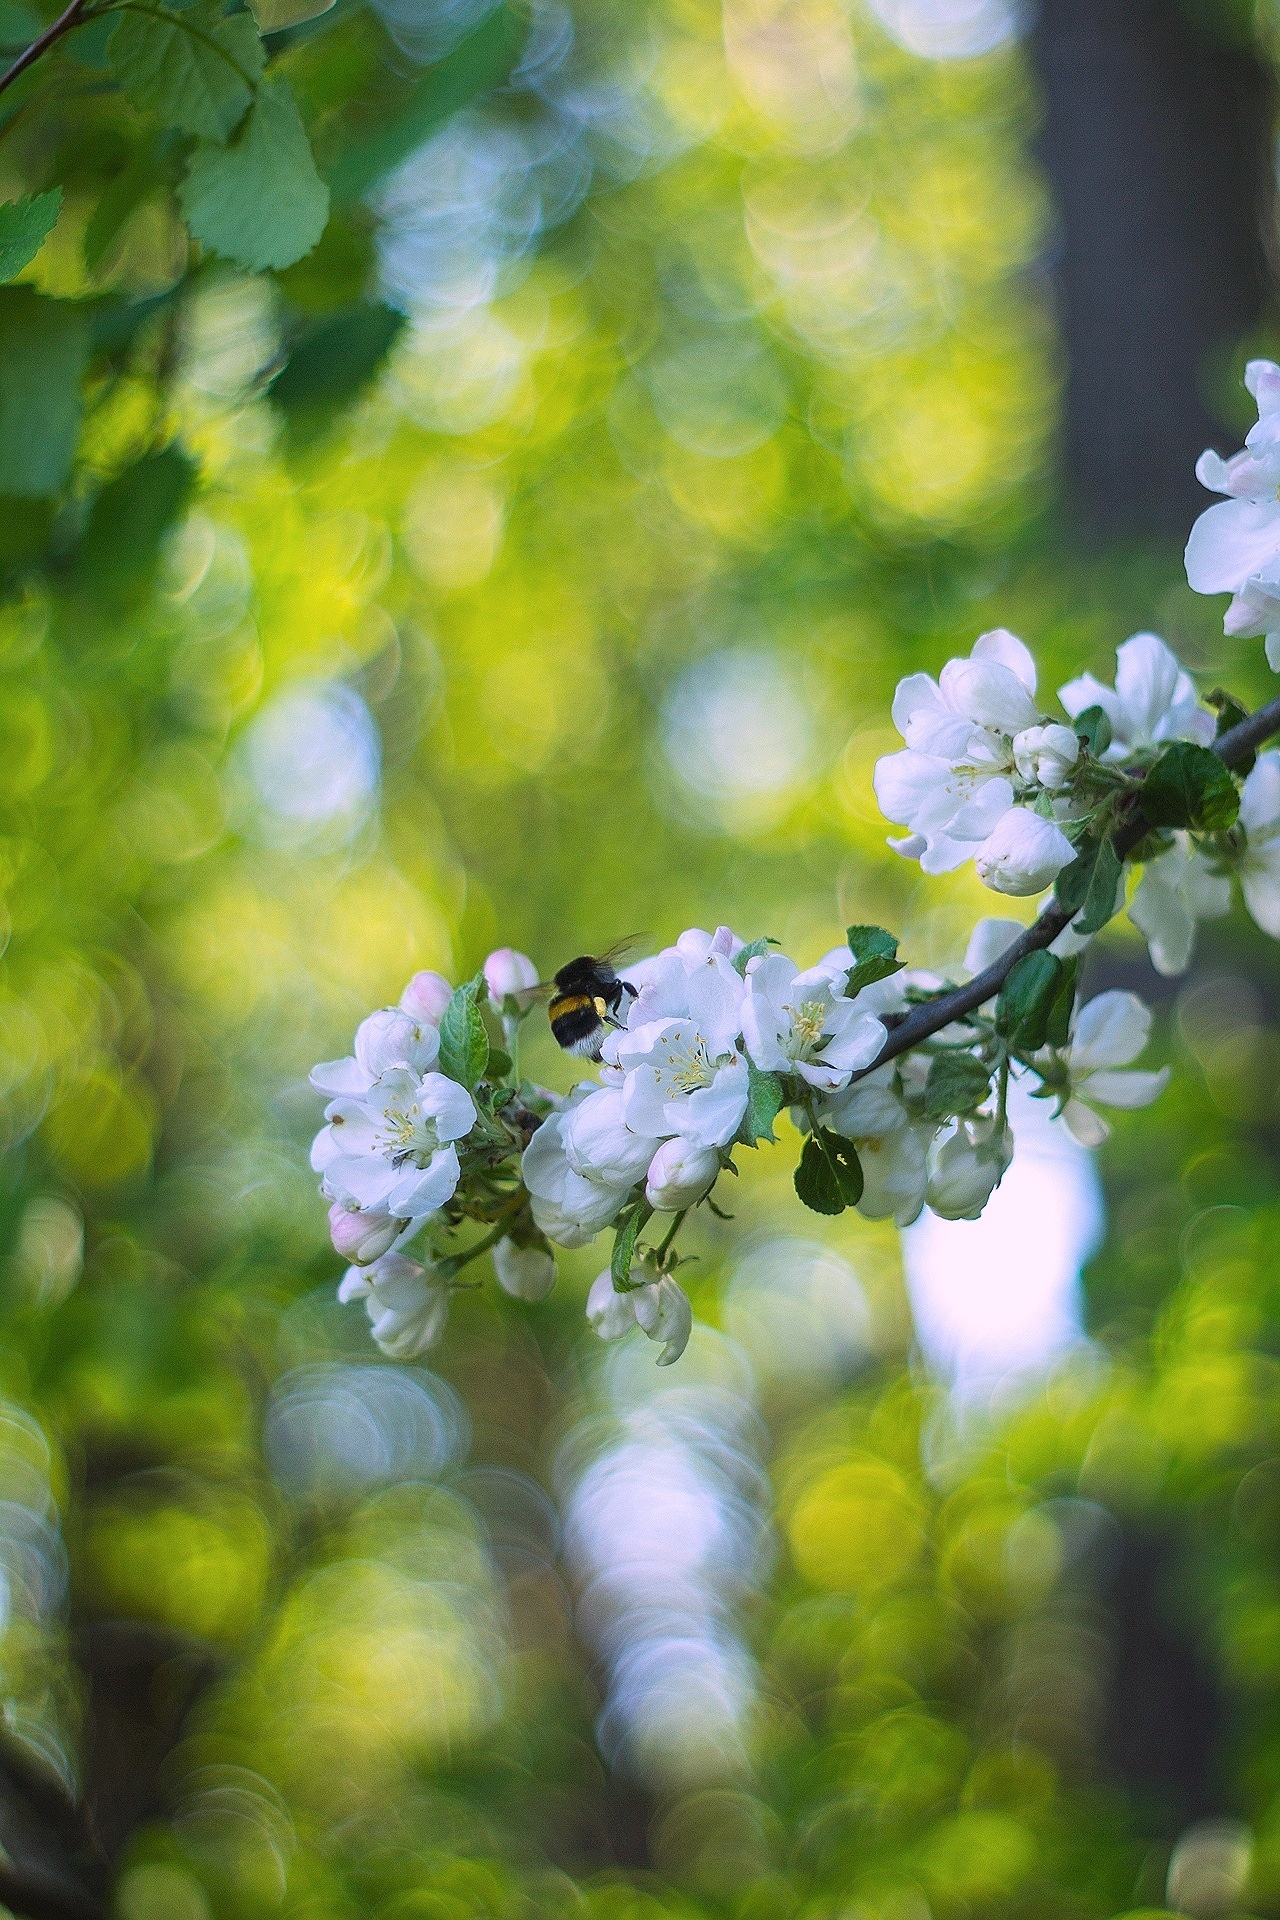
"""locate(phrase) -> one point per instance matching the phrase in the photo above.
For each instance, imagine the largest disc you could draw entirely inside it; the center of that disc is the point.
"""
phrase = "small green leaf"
(1093, 726)
(1230, 713)
(875, 957)
(624, 1245)
(273, 16)
(829, 1176)
(764, 1104)
(195, 70)
(25, 225)
(464, 1044)
(333, 358)
(957, 1084)
(754, 950)
(259, 200)
(499, 1063)
(1026, 999)
(1058, 1025)
(1189, 787)
(44, 345)
(1088, 886)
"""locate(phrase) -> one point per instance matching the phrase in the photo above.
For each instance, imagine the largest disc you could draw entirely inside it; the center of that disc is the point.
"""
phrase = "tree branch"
(1234, 747)
(69, 18)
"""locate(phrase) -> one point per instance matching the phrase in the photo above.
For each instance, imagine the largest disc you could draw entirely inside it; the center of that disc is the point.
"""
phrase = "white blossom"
(800, 1023)
(510, 976)
(1235, 546)
(364, 1236)
(1045, 755)
(966, 1166)
(610, 1313)
(1152, 702)
(569, 1208)
(406, 1302)
(391, 1149)
(892, 1151)
(679, 1175)
(1023, 854)
(526, 1273)
(1109, 1031)
(1260, 863)
(600, 1145)
(390, 1037)
(661, 1310)
(426, 997)
(1177, 888)
(679, 1060)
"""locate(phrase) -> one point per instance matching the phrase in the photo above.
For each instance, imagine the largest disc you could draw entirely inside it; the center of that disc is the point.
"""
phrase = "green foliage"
(44, 347)
(129, 518)
(875, 955)
(753, 950)
(829, 1175)
(258, 201)
(625, 1236)
(196, 70)
(333, 358)
(1093, 726)
(957, 1083)
(764, 1104)
(1027, 1000)
(25, 225)
(1088, 886)
(1189, 787)
(464, 1042)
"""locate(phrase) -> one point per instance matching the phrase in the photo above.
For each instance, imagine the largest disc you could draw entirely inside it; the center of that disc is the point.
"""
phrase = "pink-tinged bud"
(426, 997)
(362, 1237)
(509, 974)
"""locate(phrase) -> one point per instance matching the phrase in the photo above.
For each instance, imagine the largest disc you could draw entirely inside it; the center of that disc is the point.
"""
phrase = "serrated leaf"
(875, 957)
(1093, 726)
(1088, 886)
(464, 1044)
(754, 950)
(1189, 787)
(259, 200)
(195, 70)
(25, 225)
(624, 1246)
(764, 1104)
(829, 1176)
(1026, 999)
(957, 1084)
(44, 345)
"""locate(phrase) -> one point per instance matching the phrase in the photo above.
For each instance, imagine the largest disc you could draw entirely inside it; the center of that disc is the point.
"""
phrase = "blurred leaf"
(1027, 998)
(464, 1044)
(273, 16)
(1230, 712)
(957, 1084)
(1093, 726)
(258, 201)
(44, 345)
(25, 225)
(1088, 885)
(1058, 1026)
(130, 518)
(829, 1176)
(19, 25)
(764, 1104)
(481, 62)
(624, 1245)
(753, 950)
(875, 954)
(1189, 787)
(331, 360)
(338, 271)
(115, 204)
(194, 70)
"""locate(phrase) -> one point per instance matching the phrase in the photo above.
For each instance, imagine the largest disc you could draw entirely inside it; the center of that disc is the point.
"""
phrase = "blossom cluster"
(895, 1081)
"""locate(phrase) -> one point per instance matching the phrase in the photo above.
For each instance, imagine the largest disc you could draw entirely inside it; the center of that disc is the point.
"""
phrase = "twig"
(69, 18)
(1233, 747)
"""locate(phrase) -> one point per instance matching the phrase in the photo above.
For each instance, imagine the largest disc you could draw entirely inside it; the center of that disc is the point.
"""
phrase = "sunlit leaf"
(259, 200)
(25, 225)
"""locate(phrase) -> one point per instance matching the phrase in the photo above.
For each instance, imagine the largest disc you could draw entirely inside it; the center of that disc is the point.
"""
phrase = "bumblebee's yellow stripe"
(569, 1003)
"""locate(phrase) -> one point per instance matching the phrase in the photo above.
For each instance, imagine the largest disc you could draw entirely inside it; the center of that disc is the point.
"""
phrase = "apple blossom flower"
(526, 1273)
(610, 1313)
(892, 1151)
(1152, 702)
(679, 1175)
(391, 1149)
(1045, 755)
(510, 976)
(568, 1208)
(660, 1309)
(406, 1302)
(1108, 1032)
(800, 1023)
(679, 1057)
(1177, 888)
(966, 1166)
(390, 1037)
(426, 997)
(1023, 854)
(1235, 546)
(363, 1236)
(600, 1145)
(1259, 866)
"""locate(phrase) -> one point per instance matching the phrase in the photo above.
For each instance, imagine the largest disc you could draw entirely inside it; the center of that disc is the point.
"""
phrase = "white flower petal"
(1110, 1031)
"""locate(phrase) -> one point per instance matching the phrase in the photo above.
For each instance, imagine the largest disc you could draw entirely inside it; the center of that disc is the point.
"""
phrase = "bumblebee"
(587, 998)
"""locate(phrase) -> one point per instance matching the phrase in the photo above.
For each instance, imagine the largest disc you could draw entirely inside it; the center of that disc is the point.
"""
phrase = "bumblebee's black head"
(585, 975)
(588, 995)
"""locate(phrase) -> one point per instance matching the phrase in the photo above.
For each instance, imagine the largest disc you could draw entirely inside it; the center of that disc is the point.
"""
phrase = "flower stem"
(672, 1231)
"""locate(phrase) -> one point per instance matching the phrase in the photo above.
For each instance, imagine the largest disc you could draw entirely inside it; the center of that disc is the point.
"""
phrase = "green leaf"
(25, 225)
(130, 517)
(875, 956)
(115, 203)
(44, 345)
(1026, 1000)
(1093, 726)
(1058, 1025)
(829, 1176)
(1189, 787)
(464, 1044)
(1088, 886)
(1230, 713)
(957, 1084)
(764, 1104)
(499, 1063)
(333, 358)
(273, 16)
(258, 201)
(624, 1245)
(195, 70)
(754, 950)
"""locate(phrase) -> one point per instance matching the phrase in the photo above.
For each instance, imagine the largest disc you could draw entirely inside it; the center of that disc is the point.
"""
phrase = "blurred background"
(533, 563)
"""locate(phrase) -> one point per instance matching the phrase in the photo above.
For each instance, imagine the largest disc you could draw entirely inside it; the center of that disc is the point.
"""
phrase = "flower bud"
(362, 1237)
(426, 997)
(1023, 854)
(405, 1301)
(679, 1175)
(967, 1168)
(510, 975)
(1046, 754)
(526, 1273)
(599, 1144)
(610, 1313)
(664, 1313)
